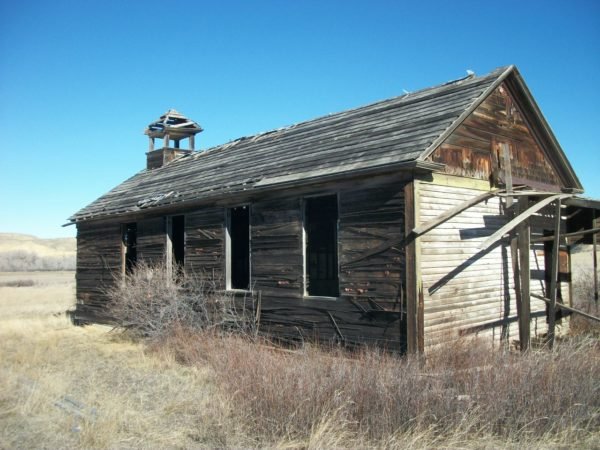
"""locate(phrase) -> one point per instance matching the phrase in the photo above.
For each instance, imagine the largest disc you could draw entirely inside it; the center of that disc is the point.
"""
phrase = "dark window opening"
(130, 243)
(239, 234)
(321, 217)
(178, 240)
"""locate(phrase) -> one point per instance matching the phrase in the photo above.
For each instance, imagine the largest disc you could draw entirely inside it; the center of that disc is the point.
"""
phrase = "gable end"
(507, 115)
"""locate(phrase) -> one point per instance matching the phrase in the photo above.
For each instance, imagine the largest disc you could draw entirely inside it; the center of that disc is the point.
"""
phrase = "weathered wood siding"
(99, 261)
(276, 248)
(468, 291)
(368, 309)
(205, 242)
(473, 150)
(151, 239)
(370, 217)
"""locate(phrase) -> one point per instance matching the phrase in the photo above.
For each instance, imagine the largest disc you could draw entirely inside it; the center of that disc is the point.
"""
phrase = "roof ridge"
(470, 77)
(386, 132)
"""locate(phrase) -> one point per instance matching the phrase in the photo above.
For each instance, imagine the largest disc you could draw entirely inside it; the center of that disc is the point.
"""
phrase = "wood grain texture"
(99, 264)
(369, 308)
(151, 239)
(205, 243)
(466, 289)
(475, 148)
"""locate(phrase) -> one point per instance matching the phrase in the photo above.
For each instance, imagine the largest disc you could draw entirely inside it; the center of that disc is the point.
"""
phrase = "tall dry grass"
(72, 387)
(467, 393)
(63, 386)
(322, 397)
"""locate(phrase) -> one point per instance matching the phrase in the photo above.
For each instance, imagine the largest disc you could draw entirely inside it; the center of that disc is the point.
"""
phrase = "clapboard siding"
(151, 239)
(370, 217)
(205, 242)
(370, 214)
(467, 290)
(276, 246)
(99, 263)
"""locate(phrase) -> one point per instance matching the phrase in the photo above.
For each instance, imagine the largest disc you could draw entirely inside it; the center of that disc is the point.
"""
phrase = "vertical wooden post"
(410, 269)
(166, 141)
(151, 145)
(192, 142)
(515, 238)
(420, 313)
(524, 306)
(514, 245)
(554, 275)
(169, 246)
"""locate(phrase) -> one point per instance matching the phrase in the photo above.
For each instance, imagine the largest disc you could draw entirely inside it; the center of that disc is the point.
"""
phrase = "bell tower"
(172, 127)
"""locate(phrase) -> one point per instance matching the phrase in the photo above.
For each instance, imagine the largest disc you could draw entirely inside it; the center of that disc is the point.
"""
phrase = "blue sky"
(80, 80)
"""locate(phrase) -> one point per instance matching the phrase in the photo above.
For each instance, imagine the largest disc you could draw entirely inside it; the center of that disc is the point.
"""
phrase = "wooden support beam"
(420, 318)
(567, 235)
(509, 213)
(520, 218)
(567, 308)
(524, 308)
(521, 193)
(411, 271)
(554, 275)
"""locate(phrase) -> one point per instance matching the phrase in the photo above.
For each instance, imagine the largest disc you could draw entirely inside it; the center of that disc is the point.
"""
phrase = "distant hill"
(23, 252)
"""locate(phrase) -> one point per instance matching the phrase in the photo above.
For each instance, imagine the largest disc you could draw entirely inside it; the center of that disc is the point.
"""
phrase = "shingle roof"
(396, 131)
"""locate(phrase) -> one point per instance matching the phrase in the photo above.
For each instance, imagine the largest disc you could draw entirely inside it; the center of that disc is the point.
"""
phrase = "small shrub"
(152, 301)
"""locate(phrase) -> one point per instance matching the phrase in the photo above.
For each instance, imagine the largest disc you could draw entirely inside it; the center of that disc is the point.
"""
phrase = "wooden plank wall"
(467, 291)
(205, 243)
(99, 261)
(151, 239)
(369, 307)
(473, 149)
(371, 217)
(276, 248)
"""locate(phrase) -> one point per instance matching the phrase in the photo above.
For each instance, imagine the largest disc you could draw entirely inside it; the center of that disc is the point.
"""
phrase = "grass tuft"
(467, 390)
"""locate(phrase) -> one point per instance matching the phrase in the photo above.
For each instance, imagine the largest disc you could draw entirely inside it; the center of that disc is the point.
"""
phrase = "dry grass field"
(83, 387)
(88, 387)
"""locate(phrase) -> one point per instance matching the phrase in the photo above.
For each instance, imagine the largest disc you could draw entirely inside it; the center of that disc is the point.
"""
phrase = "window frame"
(169, 251)
(228, 249)
(125, 246)
(305, 200)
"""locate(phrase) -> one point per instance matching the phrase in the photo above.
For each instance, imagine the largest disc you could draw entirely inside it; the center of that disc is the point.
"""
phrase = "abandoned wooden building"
(403, 223)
